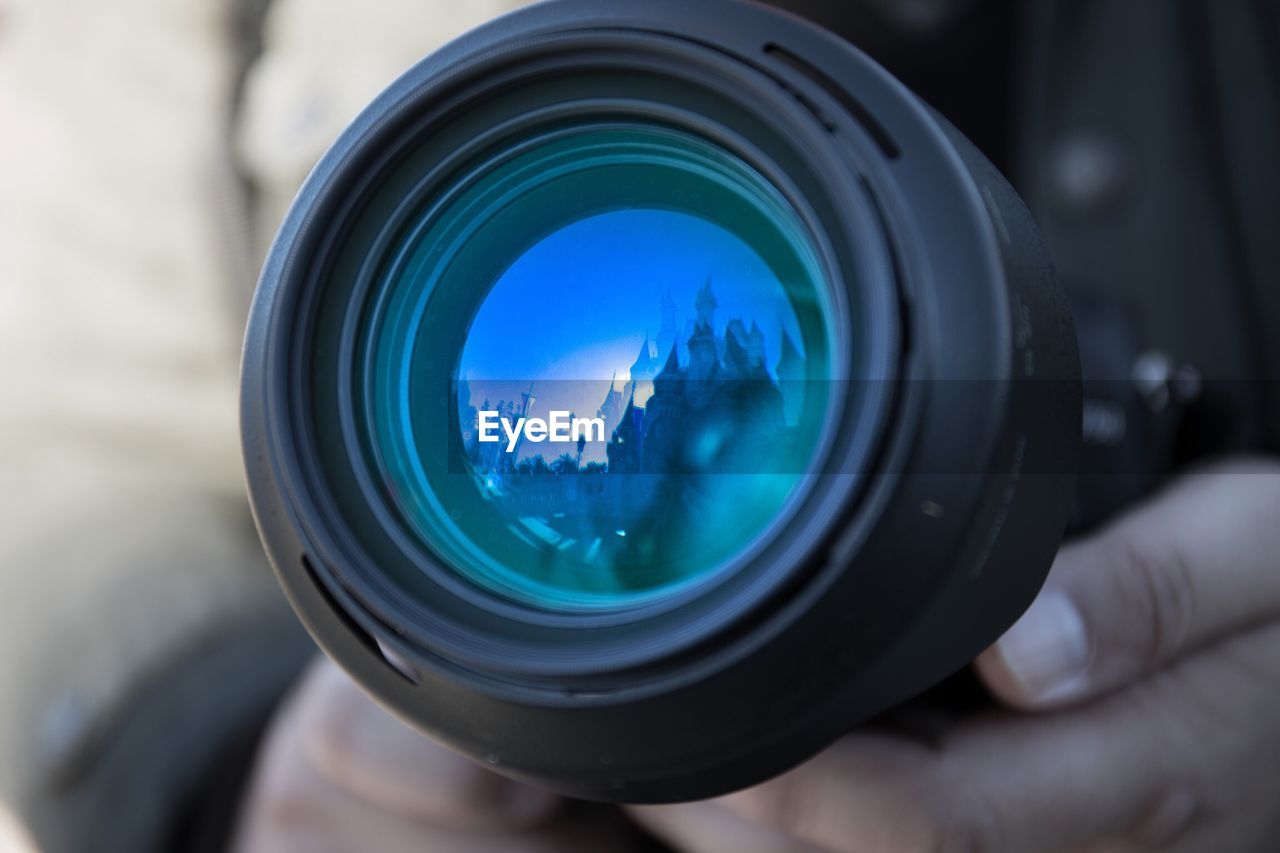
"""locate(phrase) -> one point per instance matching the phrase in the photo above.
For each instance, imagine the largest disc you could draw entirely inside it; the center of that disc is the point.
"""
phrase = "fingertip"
(995, 674)
(1042, 662)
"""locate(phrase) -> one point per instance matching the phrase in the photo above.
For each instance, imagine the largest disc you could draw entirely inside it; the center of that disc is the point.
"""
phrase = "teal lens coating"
(595, 375)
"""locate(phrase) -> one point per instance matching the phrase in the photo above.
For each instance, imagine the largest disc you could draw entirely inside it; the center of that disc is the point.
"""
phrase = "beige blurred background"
(148, 148)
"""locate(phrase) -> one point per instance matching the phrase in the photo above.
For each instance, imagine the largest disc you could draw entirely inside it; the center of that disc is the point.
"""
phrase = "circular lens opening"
(597, 372)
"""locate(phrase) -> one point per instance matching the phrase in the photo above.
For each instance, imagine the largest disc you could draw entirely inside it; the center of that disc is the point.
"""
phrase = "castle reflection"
(702, 436)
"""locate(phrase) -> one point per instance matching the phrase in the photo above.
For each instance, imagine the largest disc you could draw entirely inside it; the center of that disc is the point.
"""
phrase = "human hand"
(341, 775)
(1144, 694)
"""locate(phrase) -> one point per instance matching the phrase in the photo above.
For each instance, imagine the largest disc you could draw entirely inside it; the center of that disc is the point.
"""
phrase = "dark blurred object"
(166, 773)
(1147, 148)
(1145, 137)
(956, 54)
(150, 702)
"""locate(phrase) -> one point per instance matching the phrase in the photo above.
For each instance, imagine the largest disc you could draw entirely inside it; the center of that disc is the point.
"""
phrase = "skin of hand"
(1140, 711)
(338, 774)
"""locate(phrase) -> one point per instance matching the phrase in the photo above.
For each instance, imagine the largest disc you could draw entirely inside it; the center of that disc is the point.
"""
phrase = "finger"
(1199, 563)
(708, 827)
(870, 793)
(1157, 765)
(294, 810)
(355, 744)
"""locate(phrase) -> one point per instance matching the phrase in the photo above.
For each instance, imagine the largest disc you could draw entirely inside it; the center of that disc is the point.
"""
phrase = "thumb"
(1198, 563)
(357, 746)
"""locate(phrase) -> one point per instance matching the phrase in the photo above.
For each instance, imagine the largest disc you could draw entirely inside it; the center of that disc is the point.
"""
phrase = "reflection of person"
(1139, 711)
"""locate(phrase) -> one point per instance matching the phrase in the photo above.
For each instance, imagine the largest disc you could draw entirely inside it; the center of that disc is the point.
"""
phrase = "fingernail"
(1047, 650)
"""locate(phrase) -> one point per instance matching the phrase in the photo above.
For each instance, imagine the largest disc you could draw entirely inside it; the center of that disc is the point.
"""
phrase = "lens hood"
(941, 480)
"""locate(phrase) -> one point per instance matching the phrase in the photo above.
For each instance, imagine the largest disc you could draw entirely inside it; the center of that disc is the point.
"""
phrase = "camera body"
(939, 493)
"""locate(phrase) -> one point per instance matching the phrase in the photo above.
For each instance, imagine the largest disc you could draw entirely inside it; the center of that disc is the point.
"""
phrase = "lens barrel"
(936, 460)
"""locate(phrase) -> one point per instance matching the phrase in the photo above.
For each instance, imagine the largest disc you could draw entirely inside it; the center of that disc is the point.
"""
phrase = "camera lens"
(635, 322)
(638, 396)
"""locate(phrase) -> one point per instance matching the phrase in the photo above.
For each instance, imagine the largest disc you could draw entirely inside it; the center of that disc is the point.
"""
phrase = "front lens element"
(596, 374)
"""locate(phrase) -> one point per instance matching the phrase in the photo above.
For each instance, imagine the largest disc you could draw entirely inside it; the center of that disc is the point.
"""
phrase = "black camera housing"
(942, 503)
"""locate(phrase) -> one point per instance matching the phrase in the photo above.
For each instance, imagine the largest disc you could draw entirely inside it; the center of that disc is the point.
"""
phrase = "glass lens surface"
(596, 375)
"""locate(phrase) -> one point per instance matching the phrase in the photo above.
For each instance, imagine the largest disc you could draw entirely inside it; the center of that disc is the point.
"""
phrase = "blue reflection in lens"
(668, 332)
(610, 296)
(681, 317)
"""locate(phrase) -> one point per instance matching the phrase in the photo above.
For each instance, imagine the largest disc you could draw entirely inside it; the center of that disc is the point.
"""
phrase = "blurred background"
(148, 149)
